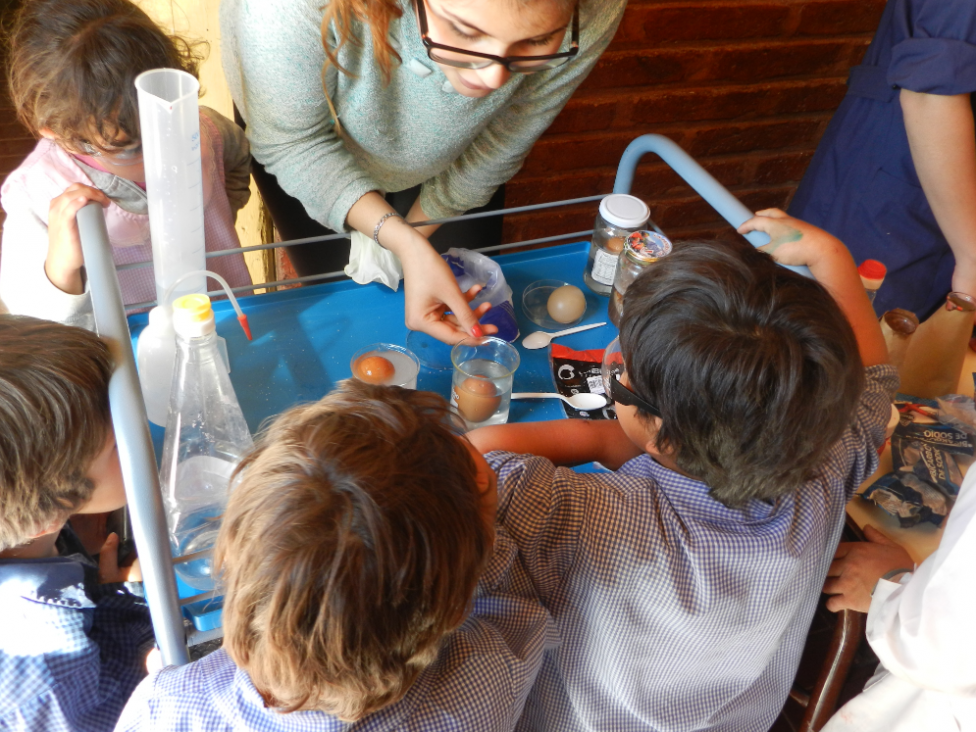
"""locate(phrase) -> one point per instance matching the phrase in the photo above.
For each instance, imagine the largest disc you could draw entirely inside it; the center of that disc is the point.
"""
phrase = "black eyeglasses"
(462, 59)
(611, 370)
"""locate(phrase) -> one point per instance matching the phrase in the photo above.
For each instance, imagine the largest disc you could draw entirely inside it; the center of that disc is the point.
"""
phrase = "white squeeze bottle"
(206, 437)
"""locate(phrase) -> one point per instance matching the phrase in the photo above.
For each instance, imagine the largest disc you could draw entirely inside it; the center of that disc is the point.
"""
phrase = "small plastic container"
(481, 390)
(535, 304)
(386, 364)
(206, 437)
(872, 276)
(643, 249)
(620, 215)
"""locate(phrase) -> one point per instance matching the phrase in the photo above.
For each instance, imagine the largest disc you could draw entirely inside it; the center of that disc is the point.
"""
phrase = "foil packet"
(910, 500)
(578, 372)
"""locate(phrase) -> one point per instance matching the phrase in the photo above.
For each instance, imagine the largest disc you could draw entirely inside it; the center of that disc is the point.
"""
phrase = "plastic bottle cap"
(193, 316)
(625, 211)
(872, 269)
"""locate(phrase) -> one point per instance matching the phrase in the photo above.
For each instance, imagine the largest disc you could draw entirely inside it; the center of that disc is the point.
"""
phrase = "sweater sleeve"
(497, 154)
(273, 60)
(24, 286)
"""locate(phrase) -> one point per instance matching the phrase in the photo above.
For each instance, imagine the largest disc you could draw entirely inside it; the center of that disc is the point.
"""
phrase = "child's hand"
(108, 564)
(64, 257)
(792, 241)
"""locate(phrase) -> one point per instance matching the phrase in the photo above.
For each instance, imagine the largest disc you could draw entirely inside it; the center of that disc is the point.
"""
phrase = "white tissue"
(369, 262)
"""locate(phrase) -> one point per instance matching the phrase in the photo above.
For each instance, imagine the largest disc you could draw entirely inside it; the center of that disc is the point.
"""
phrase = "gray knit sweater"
(415, 130)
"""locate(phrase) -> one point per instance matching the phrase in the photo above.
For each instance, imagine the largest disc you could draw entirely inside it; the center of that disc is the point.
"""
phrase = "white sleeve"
(24, 286)
(922, 631)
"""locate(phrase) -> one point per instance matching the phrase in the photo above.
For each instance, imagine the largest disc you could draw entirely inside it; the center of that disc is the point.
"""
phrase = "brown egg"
(566, 304)
(477, 399)
(374, 369)
(616, 244)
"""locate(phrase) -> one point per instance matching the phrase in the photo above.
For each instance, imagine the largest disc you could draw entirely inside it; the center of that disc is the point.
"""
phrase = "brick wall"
(745, 86)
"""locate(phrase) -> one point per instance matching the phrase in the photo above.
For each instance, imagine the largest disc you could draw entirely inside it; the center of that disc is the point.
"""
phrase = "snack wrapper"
(578, 372)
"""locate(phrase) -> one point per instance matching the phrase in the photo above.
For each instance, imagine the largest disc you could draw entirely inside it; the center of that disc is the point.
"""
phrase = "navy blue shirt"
(71, 650)
(861, 185)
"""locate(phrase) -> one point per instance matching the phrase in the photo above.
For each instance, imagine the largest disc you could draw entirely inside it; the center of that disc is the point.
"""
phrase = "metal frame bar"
(129, 412)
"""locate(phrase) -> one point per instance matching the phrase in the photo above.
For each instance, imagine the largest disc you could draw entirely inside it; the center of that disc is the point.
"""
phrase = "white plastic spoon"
(540, 339)
(577, 401)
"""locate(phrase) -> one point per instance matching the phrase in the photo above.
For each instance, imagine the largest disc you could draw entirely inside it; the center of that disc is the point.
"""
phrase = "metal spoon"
(577, 401)
(540, 339)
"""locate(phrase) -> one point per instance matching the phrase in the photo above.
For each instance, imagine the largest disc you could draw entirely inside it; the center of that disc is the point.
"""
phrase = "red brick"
(697, 21)
(583, 115)
(788, 168)
(754, 135)
(837, 17)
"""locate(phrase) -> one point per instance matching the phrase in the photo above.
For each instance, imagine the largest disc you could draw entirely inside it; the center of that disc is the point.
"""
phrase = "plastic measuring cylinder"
(169, 118)
(206, 437)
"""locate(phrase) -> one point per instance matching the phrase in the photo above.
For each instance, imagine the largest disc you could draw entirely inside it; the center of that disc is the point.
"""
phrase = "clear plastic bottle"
(206, 437)
(642, 250)
(620, 215)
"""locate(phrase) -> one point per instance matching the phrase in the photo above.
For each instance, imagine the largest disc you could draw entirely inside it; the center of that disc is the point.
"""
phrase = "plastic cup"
(481, 388)
(404, 363)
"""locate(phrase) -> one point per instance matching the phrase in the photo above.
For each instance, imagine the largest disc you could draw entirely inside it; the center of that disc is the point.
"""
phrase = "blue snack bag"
(472, 268)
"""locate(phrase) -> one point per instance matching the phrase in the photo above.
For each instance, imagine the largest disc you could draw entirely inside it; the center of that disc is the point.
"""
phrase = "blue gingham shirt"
(71, 650)
(480, 680)
(675, 612)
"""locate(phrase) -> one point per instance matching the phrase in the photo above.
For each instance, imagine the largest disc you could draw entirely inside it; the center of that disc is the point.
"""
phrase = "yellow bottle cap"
(195, 308)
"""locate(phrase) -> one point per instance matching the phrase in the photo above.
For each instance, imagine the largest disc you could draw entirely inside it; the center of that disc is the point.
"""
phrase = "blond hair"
(352, 545)
(54, 420)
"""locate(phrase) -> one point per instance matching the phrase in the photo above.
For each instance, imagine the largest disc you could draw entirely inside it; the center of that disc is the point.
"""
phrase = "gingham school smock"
(478, 683)
(71, 650)
(675, 612)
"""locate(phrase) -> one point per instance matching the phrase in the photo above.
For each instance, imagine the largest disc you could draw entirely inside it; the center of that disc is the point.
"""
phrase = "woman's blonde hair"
(73, 63)
(351, 546)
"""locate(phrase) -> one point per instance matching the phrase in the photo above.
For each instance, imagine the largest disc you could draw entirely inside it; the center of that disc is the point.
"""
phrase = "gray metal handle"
(715, 194)
(135, 445)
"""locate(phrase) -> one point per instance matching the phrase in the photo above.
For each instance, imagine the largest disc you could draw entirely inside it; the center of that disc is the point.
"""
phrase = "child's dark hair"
(72, 66)
(754, 368)
(351, 546)
(54, 420)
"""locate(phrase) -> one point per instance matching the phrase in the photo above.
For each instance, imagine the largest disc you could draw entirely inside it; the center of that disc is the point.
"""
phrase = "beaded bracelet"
(379, 225)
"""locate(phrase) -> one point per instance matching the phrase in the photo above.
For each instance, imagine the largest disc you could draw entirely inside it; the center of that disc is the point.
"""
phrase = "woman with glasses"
(441, 99)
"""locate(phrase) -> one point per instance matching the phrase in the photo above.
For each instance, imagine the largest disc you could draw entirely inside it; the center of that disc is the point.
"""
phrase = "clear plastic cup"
(386, 364)
(481, 389)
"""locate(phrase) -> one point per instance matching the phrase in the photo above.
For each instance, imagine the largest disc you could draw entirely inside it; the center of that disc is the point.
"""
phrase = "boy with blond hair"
(751, 402)
(74, 639)
(350, 553)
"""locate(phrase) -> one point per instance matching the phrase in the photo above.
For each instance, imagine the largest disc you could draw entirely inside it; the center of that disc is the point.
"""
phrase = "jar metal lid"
(648, 245)
(624, 210)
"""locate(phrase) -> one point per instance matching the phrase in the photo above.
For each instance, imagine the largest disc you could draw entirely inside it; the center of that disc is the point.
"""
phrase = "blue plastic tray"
(304, 339)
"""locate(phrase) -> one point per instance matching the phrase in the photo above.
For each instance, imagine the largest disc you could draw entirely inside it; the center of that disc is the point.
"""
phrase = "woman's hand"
(430, 291)
(64, 258)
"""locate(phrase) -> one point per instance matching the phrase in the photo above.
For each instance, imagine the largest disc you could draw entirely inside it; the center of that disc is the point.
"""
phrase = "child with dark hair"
(73, 640)
(71, 70)
(350, 552)
(751, 402)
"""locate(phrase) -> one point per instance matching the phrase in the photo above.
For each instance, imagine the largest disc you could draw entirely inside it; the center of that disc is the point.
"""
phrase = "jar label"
(604, 267)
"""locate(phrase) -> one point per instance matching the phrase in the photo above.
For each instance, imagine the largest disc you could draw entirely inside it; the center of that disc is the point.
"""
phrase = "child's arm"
(796, 242)
(563, 441)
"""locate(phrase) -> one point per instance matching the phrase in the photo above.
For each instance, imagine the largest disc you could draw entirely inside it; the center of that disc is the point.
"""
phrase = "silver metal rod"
(135, 445)
(333, 237)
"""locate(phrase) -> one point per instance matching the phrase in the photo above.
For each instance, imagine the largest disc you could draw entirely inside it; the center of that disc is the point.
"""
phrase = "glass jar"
(620, 215)
(642, 250)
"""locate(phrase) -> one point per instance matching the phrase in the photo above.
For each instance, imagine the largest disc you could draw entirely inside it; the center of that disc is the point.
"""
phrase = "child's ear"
(652, 426)
(48, 133)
